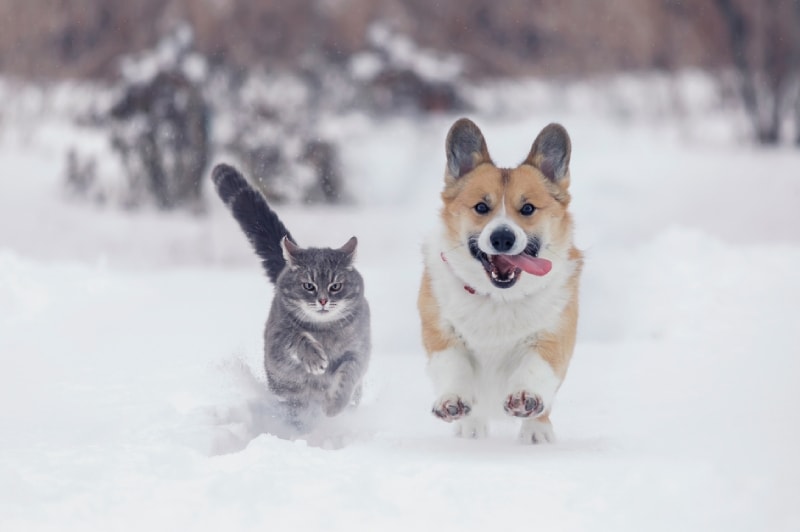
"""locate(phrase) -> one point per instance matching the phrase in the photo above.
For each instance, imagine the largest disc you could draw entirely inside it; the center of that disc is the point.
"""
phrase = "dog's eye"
(335, 287)
(481, 208)
(309, 287)
(527, 209)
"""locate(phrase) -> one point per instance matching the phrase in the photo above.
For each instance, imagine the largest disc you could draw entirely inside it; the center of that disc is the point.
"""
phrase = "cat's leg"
(297, 411)
(345, 382)
(310, 353)
(357, 394)
(294, 399)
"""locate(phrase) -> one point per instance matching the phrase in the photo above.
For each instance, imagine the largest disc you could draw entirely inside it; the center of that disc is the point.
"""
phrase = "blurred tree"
(54, 38)
(796, 56)
(759, 39)
(764, 45)
(49, 39)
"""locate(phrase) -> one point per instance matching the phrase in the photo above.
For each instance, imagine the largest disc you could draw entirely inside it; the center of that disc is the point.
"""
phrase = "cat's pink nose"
(322, 301)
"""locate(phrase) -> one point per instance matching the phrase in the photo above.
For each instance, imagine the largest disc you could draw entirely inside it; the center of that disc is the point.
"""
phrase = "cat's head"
(320, 284)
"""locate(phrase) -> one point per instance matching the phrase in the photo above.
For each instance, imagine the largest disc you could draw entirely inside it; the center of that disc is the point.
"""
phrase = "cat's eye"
(481, 208)
(335, 287)
(527, 209)
(309, 287)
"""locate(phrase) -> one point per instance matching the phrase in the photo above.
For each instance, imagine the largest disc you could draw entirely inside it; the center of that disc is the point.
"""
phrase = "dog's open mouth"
(504, 270)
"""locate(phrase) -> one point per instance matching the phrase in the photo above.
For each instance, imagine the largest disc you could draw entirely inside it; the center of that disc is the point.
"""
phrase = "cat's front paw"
(313, 357)
(450, 408)
(316, 363)
(523, 404)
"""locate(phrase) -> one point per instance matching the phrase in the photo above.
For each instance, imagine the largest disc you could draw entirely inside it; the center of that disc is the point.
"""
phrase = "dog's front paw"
(472, 427)
(523, 404)
(537, 431)
(450, 408)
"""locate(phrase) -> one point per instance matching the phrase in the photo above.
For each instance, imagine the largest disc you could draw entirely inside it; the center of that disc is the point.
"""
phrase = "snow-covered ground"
(132, 395)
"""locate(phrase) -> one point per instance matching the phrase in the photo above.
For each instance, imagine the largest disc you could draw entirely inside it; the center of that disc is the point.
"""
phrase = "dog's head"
(509, 221)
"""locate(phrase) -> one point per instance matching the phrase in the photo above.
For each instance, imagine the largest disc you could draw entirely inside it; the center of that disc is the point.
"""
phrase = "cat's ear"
(349, 248)
(290, 250)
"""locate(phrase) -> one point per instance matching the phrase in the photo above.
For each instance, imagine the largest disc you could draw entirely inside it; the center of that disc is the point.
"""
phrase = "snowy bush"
(156, 126)
(394, 74)
(176, 111)
(160, 132)
(269, 123)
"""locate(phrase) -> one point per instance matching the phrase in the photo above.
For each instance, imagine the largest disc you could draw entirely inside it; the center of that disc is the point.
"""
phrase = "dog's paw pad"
(523, 404)
(450, 408)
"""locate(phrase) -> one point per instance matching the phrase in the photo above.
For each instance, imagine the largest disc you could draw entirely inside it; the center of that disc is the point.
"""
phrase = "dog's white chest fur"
(494, 322)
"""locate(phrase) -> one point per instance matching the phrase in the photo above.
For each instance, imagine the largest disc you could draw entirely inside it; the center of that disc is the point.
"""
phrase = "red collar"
(467, 287)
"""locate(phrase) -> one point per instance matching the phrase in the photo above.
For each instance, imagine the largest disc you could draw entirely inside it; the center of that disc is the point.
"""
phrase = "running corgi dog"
(498, 300)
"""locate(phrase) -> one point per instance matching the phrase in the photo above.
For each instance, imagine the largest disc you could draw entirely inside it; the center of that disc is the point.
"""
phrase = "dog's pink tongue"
(526, 263)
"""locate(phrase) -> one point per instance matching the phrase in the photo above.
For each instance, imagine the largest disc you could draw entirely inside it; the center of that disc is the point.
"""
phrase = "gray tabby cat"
(317, 336)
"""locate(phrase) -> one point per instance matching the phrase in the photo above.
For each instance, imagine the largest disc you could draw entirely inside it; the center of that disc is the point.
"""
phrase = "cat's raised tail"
(259, 223)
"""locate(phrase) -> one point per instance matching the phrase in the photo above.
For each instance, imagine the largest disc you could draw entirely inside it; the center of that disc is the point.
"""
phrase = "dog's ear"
(466, 148)
(550, 154)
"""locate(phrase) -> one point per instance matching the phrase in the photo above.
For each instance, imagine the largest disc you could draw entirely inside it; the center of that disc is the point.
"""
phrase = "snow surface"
(132, 395)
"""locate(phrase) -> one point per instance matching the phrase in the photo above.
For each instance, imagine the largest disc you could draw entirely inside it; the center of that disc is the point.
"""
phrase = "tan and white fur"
(499, 339)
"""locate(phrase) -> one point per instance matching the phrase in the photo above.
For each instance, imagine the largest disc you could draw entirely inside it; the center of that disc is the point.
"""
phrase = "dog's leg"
(450, 366)
(541, 368)
(532, 389)
(537, 430)
(472, 426)
(453, 378)
(453, 375)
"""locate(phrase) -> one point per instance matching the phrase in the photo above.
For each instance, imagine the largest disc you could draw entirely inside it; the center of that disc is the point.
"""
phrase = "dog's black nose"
(502, 239)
